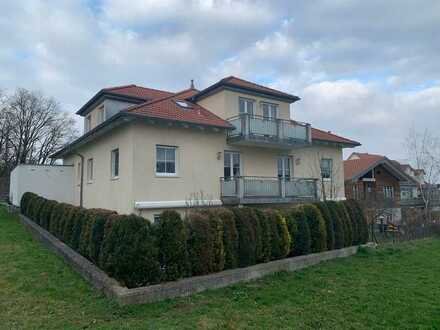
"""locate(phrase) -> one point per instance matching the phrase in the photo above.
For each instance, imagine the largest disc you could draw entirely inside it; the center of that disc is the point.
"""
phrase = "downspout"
(81, 184)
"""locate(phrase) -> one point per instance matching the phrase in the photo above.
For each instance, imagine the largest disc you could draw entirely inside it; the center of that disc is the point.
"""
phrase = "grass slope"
(387, 288)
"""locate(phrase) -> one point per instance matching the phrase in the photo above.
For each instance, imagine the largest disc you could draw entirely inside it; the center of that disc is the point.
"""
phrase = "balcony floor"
(266, 142)
(265, 200)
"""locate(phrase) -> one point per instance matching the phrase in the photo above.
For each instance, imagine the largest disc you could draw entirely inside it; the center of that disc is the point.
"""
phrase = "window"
(284, 167)
(88, 123)
(246, 106)
(115, 163)
(388, 192)
(166, 161)
(231, 164)
(90, 170)
(183, 104)
(156, 218)
(101, 115)
(326, 168)
(269, 110)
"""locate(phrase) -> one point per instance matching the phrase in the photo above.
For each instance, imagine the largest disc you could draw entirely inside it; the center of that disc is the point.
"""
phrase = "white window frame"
(388, 192)
(167, 174)
(101, 114)
(330, 174)
(246, 105)
(88, 123)
(113, 163)
(90, 169)
(231, 163)
(285, 160)
(271, 108)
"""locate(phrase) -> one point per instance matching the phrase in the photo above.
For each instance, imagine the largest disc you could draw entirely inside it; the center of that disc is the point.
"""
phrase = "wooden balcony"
(266, 190)
(252, 130)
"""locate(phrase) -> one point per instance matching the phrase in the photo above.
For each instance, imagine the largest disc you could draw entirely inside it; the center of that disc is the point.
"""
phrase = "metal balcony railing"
(271, 129)
(268, 187)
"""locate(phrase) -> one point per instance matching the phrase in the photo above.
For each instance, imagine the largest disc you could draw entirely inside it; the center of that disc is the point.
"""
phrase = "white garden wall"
(50, 181)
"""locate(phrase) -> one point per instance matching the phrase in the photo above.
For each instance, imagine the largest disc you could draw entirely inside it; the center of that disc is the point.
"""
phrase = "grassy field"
(393, 287)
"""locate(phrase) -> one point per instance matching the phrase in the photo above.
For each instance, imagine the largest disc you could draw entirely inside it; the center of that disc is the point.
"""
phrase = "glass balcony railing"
(257, 128)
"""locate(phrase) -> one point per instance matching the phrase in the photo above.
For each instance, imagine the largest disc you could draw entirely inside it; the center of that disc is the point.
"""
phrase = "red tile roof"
(318, 134)
(167, 108)
(363, 161)
(138, 91)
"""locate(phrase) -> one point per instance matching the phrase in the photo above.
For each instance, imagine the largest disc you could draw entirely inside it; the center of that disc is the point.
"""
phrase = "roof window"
(183, 104)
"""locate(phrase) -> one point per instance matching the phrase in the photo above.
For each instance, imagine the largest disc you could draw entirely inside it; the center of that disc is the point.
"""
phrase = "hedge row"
(137, 252)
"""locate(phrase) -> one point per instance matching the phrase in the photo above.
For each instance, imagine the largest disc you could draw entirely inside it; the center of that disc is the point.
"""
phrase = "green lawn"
(389, 288)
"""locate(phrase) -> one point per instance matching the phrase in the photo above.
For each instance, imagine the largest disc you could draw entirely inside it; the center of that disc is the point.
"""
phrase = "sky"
(366, 70)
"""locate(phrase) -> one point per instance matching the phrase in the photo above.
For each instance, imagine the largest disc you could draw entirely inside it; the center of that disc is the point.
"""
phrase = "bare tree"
(34, 127)
(423, 150)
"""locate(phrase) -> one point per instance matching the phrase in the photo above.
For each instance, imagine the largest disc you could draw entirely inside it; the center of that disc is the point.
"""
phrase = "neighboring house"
(233, 143)
(379, 183)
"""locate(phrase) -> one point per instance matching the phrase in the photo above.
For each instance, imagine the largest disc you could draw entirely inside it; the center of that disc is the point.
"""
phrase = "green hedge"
(136, 252)
(318, 234)
(173, 256)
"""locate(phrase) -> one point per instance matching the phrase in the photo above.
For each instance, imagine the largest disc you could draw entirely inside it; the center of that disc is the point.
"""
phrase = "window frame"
(281, 160)
(246, 109)
(90, 170)
(272, 109)
(88, 123)
(113, 164)
(330, 172)
(388, 192)
(231, 164)
(166, 174)
(101, 114)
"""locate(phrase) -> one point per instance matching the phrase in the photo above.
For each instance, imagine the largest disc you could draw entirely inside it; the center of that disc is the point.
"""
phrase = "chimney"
(192, 84)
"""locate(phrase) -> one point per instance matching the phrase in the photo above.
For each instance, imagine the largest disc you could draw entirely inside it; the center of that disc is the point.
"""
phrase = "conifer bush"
(329, 226)
(45, 214)
(265, 252)
(132, 252)
(316, 224)
(24, 202)
(301, 230)
(246, 221)
(348, 230)
(171, 238)
(338, 225)
(230, 237)
(280, 237)
(355, 226)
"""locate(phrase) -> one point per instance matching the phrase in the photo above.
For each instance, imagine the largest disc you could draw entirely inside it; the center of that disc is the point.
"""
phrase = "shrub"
(36, 207)
(316, 223)
(205, 243)
(265, 252)
(108, 225)
(300, 230)
(348, 231)
(68, 215)
(292, 227)
(24, 202)
(97, 225)
(280, 237)
(57, 219)
(45, 214)
(30, 206)
(79, 222)
(132, 253)
(246, 221)
(362, 221)
(230, 237)
(338, 225)
(171, 236)
(354, 220)
(329, 226)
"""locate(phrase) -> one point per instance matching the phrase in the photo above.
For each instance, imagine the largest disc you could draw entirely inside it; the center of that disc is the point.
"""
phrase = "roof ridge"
(256, 84)
(134, 107)
(118, 87)
(329, 132)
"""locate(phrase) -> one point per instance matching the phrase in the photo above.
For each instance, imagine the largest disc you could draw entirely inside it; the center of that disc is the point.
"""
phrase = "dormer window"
(269, 110)
(101, 114)
(246, 106)
(88, 123)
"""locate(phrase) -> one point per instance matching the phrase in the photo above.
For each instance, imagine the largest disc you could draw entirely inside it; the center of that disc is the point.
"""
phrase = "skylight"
(183, 104)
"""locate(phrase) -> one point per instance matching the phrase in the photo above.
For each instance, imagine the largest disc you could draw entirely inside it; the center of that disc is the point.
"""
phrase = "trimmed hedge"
(318, 234)
(136, 252)
(171, 235)
(329, 226)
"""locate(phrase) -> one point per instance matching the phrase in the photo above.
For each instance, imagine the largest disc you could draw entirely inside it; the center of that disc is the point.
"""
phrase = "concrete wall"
(51, 182)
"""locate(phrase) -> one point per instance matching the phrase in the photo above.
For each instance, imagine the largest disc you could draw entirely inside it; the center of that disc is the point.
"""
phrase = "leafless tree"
(423, 150)
(32, 128)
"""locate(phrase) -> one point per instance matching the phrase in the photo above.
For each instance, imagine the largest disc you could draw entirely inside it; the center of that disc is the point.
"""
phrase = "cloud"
(363, 69)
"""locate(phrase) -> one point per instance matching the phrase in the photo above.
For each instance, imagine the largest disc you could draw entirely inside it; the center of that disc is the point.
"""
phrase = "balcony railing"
(277, 189)
(269, 130)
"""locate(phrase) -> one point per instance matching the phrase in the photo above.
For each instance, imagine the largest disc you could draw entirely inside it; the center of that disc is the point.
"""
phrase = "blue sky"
(367, 70)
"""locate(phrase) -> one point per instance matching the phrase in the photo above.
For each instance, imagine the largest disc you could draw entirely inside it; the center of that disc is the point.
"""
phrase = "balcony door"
(232, 164)
(284, 165)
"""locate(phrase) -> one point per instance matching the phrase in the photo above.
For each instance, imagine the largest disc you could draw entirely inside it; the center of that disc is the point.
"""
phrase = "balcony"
(252, 130)
(264, 190)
